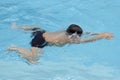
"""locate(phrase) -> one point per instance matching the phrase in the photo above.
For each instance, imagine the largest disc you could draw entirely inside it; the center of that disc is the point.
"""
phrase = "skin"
(53, 38)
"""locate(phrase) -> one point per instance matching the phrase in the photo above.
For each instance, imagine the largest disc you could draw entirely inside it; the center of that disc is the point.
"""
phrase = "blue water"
(99, 60)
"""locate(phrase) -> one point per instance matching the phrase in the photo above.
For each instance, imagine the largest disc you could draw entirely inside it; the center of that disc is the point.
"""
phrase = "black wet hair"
(74, 28)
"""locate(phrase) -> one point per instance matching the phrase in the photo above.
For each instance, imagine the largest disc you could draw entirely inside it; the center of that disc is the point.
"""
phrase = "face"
(73, 32)
(74, 36)
(74, 29)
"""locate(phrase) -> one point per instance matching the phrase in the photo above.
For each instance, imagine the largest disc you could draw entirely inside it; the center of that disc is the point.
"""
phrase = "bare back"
(56, 38)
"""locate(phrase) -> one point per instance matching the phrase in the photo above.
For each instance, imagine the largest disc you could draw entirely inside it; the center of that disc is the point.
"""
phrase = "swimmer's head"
(73, 28)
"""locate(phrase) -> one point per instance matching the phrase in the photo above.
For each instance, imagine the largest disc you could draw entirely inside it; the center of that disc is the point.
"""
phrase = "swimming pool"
(90, 61)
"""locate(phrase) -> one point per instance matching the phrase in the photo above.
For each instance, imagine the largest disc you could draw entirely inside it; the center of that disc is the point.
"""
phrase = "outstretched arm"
(104, 35)
(90, 33)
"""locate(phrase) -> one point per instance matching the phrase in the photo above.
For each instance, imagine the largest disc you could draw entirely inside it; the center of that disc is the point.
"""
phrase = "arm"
(90, 33)
(99, 36)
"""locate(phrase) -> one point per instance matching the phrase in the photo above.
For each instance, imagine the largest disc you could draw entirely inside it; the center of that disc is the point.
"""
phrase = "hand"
(107, 35)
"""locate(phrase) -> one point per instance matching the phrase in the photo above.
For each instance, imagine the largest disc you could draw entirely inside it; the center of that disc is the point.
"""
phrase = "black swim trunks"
(38, 40)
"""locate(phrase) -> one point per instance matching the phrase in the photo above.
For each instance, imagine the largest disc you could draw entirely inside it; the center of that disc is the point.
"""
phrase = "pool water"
(99, 60)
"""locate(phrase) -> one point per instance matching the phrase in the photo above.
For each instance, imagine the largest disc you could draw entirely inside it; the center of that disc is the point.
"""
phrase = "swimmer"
(42, 38)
